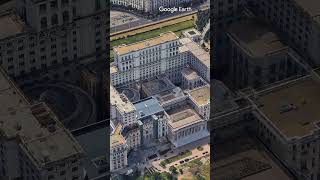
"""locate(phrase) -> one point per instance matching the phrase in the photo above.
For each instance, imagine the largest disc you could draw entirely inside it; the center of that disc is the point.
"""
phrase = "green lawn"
(175, 158)
(177, 28)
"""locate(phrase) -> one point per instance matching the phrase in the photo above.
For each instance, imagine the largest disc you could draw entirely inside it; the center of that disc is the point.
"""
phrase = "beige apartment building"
(118, 149)
(287, 121)
(44, 40)
(34, 144)
(258, 57)
(297, 20)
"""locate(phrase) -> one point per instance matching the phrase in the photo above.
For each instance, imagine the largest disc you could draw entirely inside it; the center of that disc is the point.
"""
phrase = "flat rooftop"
(192, 32)
(10, 26)
(256, 38)
(293, 108)
(148, 107)
(35, 127)
(116, 139)
(120, 101)
(156, 85)
(53, 147)
(162, 38)
(189, 74)
(197, 51)
(183, 116)
(201, 95)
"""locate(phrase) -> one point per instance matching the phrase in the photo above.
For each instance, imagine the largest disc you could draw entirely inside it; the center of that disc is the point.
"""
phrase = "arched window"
(43, 23)
(54, 19)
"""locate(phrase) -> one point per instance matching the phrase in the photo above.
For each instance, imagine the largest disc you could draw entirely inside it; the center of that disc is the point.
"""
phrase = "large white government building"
(165, 54)
(160, 92)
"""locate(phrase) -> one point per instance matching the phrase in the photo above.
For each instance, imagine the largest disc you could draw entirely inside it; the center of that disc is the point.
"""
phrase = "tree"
(173, 169)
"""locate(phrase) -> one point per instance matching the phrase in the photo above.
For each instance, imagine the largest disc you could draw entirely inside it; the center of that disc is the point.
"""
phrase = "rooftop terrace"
(39, 131)
(201, 95)
(183, 116)
(116, 139)
(190, 74)
(120, 101)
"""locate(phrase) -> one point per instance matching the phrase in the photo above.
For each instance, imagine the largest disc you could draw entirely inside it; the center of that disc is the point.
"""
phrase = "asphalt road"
(143, 21)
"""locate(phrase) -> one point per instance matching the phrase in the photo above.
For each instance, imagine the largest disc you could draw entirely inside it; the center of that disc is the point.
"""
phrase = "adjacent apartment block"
(258, 56)
(34, 144)
(287, 121)
(297, 20)
(46, 40)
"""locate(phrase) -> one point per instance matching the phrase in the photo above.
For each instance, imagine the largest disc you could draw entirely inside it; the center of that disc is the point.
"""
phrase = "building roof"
(39, 131)
(162, 38)
(201, 95)
(190, 74)
(120, 101)
(117, 139)
(293, 108)
(183, 116)
(53, 147)
(170, 95)
(197, 51)
(256, 38)
(148, 107)
(10, 26)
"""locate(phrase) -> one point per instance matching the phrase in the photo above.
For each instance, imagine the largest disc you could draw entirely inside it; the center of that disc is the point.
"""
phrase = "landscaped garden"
(198, 169)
